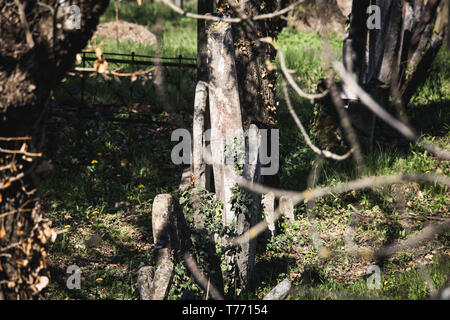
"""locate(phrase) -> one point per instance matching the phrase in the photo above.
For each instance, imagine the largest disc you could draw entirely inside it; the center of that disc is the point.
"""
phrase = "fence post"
(132, 71)
(180, 57)
(83, 80)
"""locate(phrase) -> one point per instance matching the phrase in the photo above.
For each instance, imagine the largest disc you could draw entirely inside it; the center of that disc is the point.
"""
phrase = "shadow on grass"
(432, 119)
(267, 273)
(97, 166)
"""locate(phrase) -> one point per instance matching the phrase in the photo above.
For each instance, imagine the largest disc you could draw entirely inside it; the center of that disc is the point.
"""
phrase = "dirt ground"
(331, 17)
(123, 30)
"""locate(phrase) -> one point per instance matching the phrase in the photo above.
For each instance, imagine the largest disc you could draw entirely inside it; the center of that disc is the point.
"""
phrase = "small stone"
(93, 241)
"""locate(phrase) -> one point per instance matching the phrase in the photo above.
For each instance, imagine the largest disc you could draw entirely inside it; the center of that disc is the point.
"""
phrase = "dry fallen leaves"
(2, 231)
(100, 65)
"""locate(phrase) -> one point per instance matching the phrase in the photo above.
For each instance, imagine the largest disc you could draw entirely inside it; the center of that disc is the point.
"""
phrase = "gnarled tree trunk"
(391, 46)
(39, 41)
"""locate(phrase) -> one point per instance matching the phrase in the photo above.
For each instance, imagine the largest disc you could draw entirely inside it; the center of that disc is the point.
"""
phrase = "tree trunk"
(388, 54)
(38, 47)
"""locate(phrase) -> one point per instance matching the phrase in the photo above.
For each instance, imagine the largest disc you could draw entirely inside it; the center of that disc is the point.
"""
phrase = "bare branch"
(372, 104)
(23, 19)
(8, 182)
(325, 153)
(25, 153)
(231, 20)
(199, 16)
(279, 12)
(438, 152)
(426, 234)
(14, 138)
(297, 197)
(363, 183)
(200, 277)
(13, 212)
(14, 245)
(115, 73)
(346, 124)
(289, 78)
(384, 115)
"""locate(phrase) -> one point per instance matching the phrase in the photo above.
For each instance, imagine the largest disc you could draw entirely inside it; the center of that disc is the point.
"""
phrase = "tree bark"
(37, 49)
(388, 56)
(257, 92)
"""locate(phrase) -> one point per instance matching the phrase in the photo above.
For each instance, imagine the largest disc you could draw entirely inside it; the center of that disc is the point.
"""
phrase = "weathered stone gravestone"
(287, 208)
(225, 112)
(268, 201)
(280, 291)
(228, 141)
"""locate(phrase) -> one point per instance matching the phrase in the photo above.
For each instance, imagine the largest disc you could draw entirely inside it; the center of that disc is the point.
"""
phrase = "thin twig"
(13, 212)
(346, 124)
(348, 79)
(14, 245)
(426, 234)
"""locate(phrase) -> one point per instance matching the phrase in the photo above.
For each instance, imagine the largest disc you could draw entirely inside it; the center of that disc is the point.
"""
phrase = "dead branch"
(363, 183)
(370, 103)
(346, 124)
(231, 20)
(200, 278)
(325, 153)
(286, 73)
(14, 138)
(24, 21)
(297, 197)
(25, 153)
(115, 73)
(348, 79)
(14, 211)
(426, 234)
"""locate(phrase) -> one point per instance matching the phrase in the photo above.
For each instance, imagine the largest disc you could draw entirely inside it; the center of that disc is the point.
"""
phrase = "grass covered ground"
(108, 173)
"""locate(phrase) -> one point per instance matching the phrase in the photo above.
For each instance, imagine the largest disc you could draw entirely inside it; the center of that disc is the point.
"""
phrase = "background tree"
(389, 50)
(39, 42)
